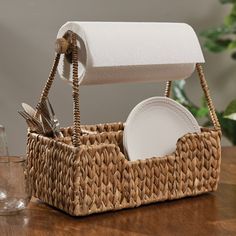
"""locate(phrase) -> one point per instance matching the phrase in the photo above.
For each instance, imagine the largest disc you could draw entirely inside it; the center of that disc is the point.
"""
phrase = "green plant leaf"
(218, 45)
(227, 1)
(179, 93)
(215, 33)
(217, 40)
(231, 116)
(202, 112)
(182, 98)
(230, 111)
(228, 127)
(231, 18)
(204, 102)
(232, 45)
(233, 55)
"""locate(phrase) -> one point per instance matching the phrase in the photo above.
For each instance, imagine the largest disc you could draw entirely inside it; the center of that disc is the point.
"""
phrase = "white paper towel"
(116, 52)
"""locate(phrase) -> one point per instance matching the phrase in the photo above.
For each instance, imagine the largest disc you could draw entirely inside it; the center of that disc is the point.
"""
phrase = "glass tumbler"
(13, 180)
(3, 153)
(3, 142)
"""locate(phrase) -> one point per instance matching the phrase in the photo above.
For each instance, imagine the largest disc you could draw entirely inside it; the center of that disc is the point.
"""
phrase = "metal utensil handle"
(47, 87)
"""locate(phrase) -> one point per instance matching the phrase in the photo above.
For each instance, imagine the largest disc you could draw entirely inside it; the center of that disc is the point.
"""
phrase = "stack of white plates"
(154, 126)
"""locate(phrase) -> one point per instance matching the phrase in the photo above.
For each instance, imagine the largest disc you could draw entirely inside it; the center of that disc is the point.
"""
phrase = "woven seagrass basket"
(83, 173)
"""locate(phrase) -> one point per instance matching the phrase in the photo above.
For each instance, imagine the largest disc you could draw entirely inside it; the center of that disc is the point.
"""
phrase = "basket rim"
(101, 146)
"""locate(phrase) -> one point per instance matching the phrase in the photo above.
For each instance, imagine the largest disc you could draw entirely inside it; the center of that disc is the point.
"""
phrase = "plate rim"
(185, 113)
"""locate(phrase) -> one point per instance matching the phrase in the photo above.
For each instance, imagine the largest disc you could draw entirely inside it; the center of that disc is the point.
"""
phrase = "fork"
(33, 123)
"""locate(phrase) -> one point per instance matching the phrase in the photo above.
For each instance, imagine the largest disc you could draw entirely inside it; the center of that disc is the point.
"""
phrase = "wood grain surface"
(208, 214)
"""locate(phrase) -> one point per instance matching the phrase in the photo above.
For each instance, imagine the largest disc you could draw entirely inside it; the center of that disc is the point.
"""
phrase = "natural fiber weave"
(97, 177)
(89, 173)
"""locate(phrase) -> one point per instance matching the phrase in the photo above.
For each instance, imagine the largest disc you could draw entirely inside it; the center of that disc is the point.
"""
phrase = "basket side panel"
(99, 182)
(193, 169)
(200, 162)
(51, 172)
(212, 160)
(105, 180)
(97, 177)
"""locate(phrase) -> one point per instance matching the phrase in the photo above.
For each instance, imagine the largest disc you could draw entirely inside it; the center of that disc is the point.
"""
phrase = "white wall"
(27, 32)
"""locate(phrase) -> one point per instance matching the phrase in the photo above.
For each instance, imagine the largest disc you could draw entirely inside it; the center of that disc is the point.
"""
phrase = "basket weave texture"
(83, 174)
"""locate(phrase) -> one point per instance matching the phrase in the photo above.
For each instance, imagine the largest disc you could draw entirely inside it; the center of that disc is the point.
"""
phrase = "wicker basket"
(83, 174)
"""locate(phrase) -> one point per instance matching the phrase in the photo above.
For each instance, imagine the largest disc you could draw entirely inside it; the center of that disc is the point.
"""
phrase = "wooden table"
(208, 214)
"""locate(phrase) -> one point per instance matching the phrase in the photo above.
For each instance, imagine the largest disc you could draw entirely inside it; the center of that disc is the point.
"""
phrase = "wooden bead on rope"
(61, 45)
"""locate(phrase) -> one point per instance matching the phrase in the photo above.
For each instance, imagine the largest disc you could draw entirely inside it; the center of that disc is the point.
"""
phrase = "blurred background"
(28, 31)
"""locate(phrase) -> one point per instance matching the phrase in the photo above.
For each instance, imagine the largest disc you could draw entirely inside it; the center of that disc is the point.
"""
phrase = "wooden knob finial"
(61, 45)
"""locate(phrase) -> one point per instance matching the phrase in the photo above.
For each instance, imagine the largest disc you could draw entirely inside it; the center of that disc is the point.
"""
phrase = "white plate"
(154, 126)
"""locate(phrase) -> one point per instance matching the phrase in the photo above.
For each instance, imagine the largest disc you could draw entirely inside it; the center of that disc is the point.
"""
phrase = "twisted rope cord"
(167, 89)
(76, 109)
(47, 87)
(49, 82)
(206, 91)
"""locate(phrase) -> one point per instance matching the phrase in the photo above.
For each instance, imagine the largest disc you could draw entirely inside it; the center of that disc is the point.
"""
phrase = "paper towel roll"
(116, 52)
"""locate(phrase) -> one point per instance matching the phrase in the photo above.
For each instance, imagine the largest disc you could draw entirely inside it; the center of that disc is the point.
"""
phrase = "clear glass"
(13, 180)
(4, 175)
(3, 142)
(3, 153)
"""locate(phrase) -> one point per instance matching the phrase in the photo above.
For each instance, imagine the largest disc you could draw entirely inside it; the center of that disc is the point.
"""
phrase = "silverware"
(33, 123)
(49, 119)
(56, 124)
(27, 108)
(45, 119)
(29, 114)
(45, 122)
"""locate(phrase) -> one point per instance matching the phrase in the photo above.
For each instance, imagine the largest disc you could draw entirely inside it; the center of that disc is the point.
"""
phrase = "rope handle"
(207, 95)
(63, 47)
(68, 46)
